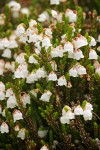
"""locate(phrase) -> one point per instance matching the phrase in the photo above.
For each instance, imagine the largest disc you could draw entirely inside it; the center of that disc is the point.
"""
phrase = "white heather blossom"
(20, 58)
(4, 128)
(32, 60)
(73, 72)
(33, 38)
(62, 81)
(44, 148)
(2, 86)
(2, 95)
(23, 38)
(20, 29)
(21, 133)
(25, 98)
(12, 102)
(41, 73)
(68, 47)
(14, 6)
(52, 76)
(42, 18)
(32, 23)
(46, 96)
(48, 32)
(21, 71)
(25, 11)
(46, 42)
(78, 110)
(57, 52)
(54, 2)
(64, 120)
(6, 53)
(81, 70)
(80, 42)
(88, 106)
(78, 54)
(31, 78)
(54, 13)
(92, 42)
(5, 42)
(93, 54)
(87, 115)
(67, 115)
(72, 15)
(42, 133)
(17, 115)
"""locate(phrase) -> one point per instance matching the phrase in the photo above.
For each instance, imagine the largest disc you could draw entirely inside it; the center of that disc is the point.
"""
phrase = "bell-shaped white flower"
(92, 42)
(88, 106)
(21, 133)
(4, 128)
(46, 42)
(54, 13)
(73, 72)
(2, 86)
(2, 95)
(68, 47)
(42, 17)
(12, 102)
(9, 92)
(54, 65)
(81, 70)
(42, 133)
(52, 76)
(93, 54)
(78, 54)
(72, 15)
(41, 73)
(25, 11)
(23, 38)
(14, 6)
(78, 110)
(32, 60)
(80, 42)
(62, 81)
(87, 114)
(57, 52)
(20, 29)
(20, 58)
(17, 115)
(64, 120)
(6, 53)
(31, 78)
(46, 96)
(32, 23)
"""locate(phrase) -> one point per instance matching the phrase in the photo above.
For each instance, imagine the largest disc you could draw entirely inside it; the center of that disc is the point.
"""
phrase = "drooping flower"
(46, 96)
(17, 115)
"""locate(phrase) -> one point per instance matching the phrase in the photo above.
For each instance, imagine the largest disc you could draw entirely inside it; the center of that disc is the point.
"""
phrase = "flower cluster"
(68, 114)
(49, 78)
